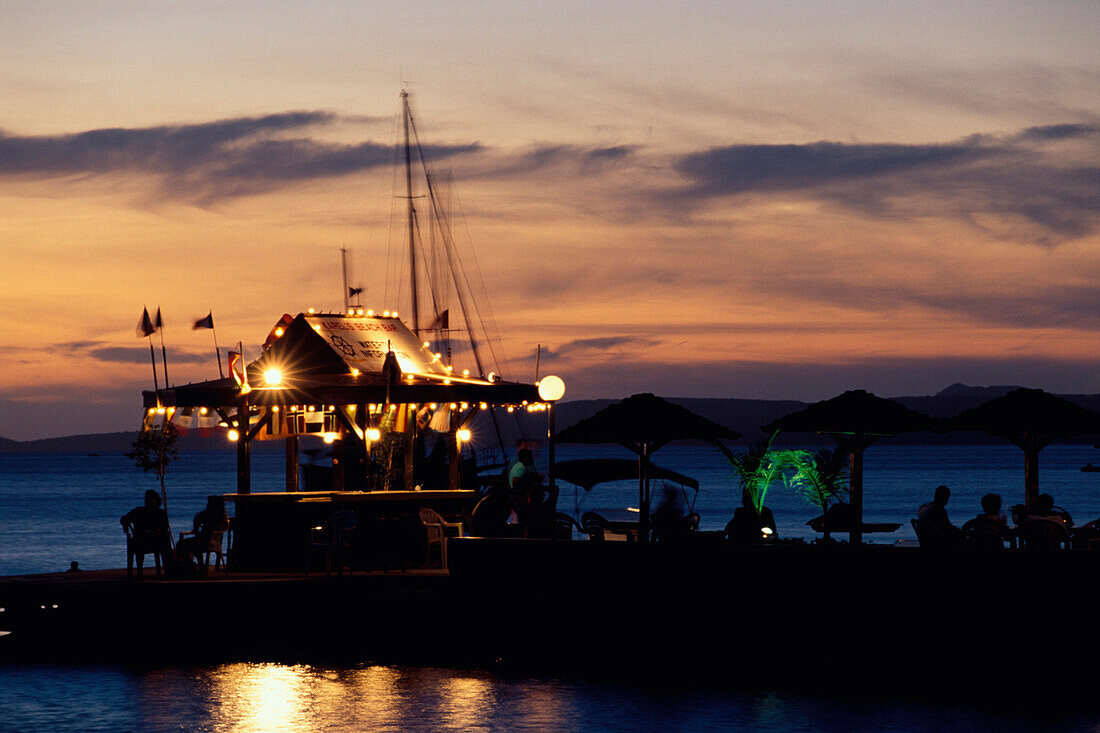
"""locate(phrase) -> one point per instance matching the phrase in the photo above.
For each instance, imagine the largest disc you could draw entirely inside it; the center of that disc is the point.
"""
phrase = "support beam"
(454, 456)
(244, 457)
(292, 463)
(338, 475)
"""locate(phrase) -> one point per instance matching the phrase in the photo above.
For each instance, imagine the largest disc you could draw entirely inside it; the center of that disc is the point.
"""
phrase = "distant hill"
(744, 416)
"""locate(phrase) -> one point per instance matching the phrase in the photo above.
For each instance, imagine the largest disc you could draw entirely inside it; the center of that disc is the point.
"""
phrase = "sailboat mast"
(344, 267)
(412, 214)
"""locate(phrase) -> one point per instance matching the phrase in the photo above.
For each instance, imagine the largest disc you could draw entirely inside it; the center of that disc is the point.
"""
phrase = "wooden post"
(454, 456)
(338, 475)
(410, 448)
(292, 463)
(550, 443)
(244, 462)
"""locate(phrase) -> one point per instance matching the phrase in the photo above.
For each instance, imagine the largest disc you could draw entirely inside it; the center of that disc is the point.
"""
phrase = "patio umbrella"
(855, 419)
(643, 423)
(1030, 419)
(587, 472)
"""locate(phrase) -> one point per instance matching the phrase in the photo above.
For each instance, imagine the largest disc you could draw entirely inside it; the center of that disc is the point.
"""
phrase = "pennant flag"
(207, 322)
(443, 321)
(278, 330)
(159, 324)
(441, 421)
(236, 367)
(352, 292)
(145, 326)
(314, 422)
(401, 419)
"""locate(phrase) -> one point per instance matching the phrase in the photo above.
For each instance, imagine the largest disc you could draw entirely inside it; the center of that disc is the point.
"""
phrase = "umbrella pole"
(1031, 470)
(855, 532)
(643, 497)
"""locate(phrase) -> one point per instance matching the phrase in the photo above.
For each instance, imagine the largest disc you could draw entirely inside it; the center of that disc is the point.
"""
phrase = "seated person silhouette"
(988, 530)
(1043, 508)
(208, 521)
(934, 529)
(750, 526)
(147, 526)
(1045, 526)
(671, 519)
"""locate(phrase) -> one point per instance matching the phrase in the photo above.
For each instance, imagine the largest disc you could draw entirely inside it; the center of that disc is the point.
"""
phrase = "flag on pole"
(206, 322)
(236, 367)
(352, 292)
(158, 324)
(145, 326)
(443, 321)
(401, 419)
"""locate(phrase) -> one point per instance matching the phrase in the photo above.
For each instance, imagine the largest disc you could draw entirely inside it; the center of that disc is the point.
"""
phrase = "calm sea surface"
(56, 508)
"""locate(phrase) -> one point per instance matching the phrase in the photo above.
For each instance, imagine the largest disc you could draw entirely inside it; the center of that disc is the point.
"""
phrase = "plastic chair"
(333, 538)
(140, 546)
(594, 526)
(436, 529)
(214, 546)
(916, 529)
(564, 526)
(1044, 534)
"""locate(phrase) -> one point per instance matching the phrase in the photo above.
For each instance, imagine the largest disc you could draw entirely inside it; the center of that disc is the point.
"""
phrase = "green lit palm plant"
(761, 467)
(821, 479)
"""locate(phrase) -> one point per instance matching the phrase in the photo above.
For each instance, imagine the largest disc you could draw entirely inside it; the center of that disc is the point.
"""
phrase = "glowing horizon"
(723, 200)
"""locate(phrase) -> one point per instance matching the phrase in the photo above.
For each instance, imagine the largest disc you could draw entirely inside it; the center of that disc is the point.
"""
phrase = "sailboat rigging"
(436, 270)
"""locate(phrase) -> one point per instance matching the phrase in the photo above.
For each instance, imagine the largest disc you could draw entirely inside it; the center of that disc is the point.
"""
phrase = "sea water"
(56, 508)
(59, 508)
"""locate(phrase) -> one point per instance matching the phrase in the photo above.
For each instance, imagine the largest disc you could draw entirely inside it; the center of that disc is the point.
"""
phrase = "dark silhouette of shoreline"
(743, 415)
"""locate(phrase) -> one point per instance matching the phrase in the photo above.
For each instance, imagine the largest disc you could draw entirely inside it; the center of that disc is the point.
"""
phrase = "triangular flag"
(158, 324)
(145, 326)
(236, 367)
(207, 322)
(443, 321)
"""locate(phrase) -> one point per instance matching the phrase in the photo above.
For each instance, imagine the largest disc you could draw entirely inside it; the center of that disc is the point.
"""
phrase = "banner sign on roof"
(362, 343)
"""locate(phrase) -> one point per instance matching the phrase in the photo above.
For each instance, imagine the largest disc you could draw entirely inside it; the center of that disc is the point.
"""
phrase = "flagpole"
(153, 358)
(163, 353)
(217, 352)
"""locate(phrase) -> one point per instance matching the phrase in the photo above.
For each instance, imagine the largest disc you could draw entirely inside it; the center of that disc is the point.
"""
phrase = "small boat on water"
(1089, 468)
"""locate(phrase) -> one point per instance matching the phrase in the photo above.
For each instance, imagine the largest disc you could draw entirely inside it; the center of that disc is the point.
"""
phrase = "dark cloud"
(133, 354)
(205, 161)
(140, 356)
(1017, 178)
(1044, 306)
(571, 158)
(744, 168)
(1059, 132)
(603, 344)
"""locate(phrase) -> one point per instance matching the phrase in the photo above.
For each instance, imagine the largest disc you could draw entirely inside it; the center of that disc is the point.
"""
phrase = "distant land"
(744, 416)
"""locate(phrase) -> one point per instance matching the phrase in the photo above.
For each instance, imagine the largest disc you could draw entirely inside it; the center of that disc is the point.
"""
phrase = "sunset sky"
(771, 200)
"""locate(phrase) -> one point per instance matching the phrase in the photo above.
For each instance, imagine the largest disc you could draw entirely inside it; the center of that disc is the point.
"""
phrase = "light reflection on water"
(248, 697)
